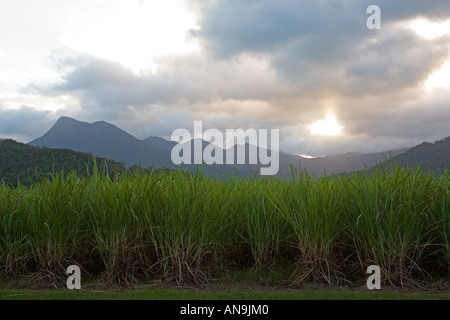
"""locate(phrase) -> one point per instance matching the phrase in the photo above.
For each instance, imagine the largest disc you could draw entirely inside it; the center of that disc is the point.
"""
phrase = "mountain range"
(432, 156)
(105, 140)
(102, 139)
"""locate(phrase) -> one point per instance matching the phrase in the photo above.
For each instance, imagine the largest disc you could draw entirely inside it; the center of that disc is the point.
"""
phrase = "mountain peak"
(102, 123)
(65, 119)
(101, 139)
(68, 120)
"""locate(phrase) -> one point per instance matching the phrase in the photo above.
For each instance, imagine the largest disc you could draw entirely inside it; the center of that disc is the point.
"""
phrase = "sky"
(311, 69)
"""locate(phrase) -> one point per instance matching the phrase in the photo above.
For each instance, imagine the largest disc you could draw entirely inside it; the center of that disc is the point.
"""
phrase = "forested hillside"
(24, 163)
(432, 156)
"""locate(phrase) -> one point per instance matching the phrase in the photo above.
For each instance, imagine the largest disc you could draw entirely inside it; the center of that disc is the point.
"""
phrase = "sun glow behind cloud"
(431, 30)
(327, 127)
(132, 33)
(307, 156)
(439, 79)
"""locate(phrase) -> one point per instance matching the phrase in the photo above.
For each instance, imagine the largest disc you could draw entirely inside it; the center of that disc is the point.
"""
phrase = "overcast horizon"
(309, 68)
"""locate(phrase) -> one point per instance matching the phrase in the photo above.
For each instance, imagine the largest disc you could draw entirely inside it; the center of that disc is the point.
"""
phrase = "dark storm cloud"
(401, 10)
(231, 27)
(326, 44)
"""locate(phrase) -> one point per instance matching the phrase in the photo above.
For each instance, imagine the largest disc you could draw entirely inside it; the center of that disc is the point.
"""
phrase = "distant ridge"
(105, 140)
(161, 143)
(353, 161)
(102, 139)
(431, 156)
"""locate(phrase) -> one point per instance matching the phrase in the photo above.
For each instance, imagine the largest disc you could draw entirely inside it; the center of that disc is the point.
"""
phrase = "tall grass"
(184, 223)
(117, 231)
(12, 234)
(259, 224)
(312, 208)
(441, 219)
(53, 223)
(187, 228)
(42, 228)
(389, 215)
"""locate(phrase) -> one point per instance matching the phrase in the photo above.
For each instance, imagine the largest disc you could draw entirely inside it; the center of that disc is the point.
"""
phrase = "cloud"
(188, 82)
(325, 44)
(279, 64)
(230, 27)
(24, 124)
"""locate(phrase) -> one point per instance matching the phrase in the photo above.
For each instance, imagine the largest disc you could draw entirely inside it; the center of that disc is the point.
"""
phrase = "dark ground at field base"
(441, 288)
